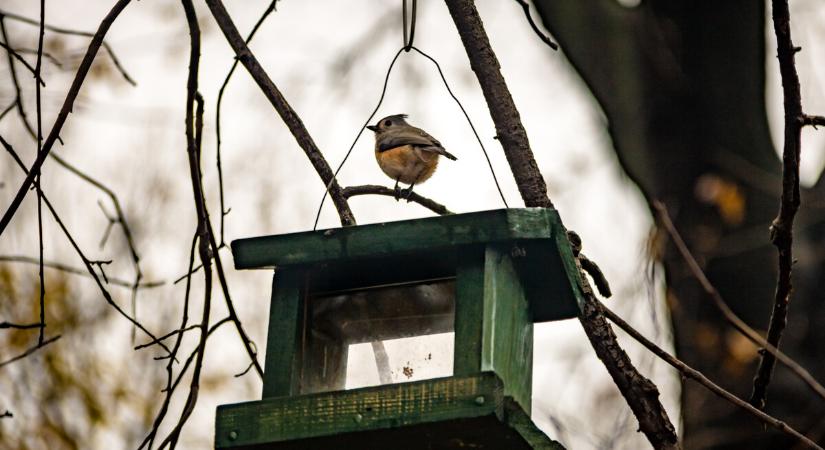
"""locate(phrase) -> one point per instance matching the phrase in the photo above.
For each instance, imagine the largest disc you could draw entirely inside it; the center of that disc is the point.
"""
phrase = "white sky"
(132, 139)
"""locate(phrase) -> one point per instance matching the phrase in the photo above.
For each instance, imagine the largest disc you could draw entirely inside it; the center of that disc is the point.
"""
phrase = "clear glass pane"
(379, 335)
(408, 359)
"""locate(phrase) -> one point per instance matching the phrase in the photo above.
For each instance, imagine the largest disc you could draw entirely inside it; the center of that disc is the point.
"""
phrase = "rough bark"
(640, 393)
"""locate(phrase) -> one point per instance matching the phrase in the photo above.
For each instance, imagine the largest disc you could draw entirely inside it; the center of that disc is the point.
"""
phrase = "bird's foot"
(398, 192)
(406, 194)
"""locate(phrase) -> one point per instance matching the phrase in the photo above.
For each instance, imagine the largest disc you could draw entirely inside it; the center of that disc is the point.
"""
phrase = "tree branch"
(544, 38)
(40, 344)
(697, 376)
(86, 261)
(269, 10)
(782, 226)
(67, 31)
(721, 305)
(371, 189)
(509, 130)
(193, 123)
(288, 115)
(814, 121)
(63, 114)
(74, 270)
(639, 392)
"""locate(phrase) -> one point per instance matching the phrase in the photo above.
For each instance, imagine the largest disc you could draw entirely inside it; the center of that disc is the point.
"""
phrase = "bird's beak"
(372, 128)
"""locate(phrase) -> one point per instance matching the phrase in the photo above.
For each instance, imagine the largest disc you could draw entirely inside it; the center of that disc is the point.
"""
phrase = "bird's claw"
(407, 194)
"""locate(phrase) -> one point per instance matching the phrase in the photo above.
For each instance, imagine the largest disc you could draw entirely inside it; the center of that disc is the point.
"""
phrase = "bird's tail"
(448, 155)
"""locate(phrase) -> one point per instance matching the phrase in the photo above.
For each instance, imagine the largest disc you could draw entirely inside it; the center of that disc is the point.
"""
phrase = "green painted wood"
(392, 238)
(565, 256)
(382, 407)
(521, 422)
(281, 367)
(371, 255)
(548, 277)
(507, 340)
(469, 312)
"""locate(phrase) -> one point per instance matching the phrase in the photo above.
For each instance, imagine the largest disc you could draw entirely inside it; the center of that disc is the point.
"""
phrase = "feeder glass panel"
(379, 335)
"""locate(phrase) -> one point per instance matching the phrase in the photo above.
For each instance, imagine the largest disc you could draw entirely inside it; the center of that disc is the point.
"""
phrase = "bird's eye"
(387, 123)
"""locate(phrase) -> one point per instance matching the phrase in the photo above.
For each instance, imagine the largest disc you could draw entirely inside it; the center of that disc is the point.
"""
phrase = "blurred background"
(678, 101)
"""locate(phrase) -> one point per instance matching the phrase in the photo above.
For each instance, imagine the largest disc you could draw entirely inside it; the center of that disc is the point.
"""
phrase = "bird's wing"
(415, 137)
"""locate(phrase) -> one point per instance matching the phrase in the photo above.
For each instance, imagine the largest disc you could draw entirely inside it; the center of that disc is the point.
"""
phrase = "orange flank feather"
(407, 164)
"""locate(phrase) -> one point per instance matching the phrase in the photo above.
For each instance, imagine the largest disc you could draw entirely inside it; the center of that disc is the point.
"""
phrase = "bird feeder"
(410, 334)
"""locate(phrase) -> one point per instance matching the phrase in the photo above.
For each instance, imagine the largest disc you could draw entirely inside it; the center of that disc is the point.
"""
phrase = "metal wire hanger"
(409, 35)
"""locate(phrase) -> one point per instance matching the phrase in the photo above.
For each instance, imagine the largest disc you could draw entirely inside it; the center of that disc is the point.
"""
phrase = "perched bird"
(405, 153)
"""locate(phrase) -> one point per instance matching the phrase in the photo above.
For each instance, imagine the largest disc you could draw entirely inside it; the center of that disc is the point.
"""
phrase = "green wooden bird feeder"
(411, 334)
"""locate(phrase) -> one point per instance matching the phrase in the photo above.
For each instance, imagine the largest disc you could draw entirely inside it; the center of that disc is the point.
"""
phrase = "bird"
(405, 153)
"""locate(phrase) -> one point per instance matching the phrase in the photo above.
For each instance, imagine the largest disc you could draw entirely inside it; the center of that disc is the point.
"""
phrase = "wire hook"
(408, 43)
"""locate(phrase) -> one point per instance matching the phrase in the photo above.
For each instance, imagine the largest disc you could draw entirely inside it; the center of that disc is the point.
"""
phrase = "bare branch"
(20, 326)
(60, 30)
(30, 351)
(814, 121)
(269, 10)
(171, 384)
(194, 117)
(39, 120)
(86, 261)
(119, 219)
(697, 376)
(76, 271)
(544, 38)
(509, 129)
(639, 392)
(13, 53)
(46, 55)
(63, 114)
(18, 96)
(722, 306)
(782, 226)
(372, 189)
(289, 116)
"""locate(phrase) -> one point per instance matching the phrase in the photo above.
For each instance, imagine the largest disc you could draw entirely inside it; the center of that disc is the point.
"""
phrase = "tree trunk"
(682, 85)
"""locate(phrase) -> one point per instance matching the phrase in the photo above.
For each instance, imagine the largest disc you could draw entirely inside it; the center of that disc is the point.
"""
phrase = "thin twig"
(193, 121)
(20, 326)
(372, 189)
(76, 271)
(814, 121)
(224, 211)
(18, 95)
(86, 261)
(544, 38)
(288, 115)
(175, 333)
(119, 219)
(30, 351)
(697, 376)
(249, 345)
(71, 95)
(12, 52)
(722, 306)
(510, 131)
(170, 388)
(39, 112)
(782, 226)
(46, 55)
(7, 109)
(60, 30)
